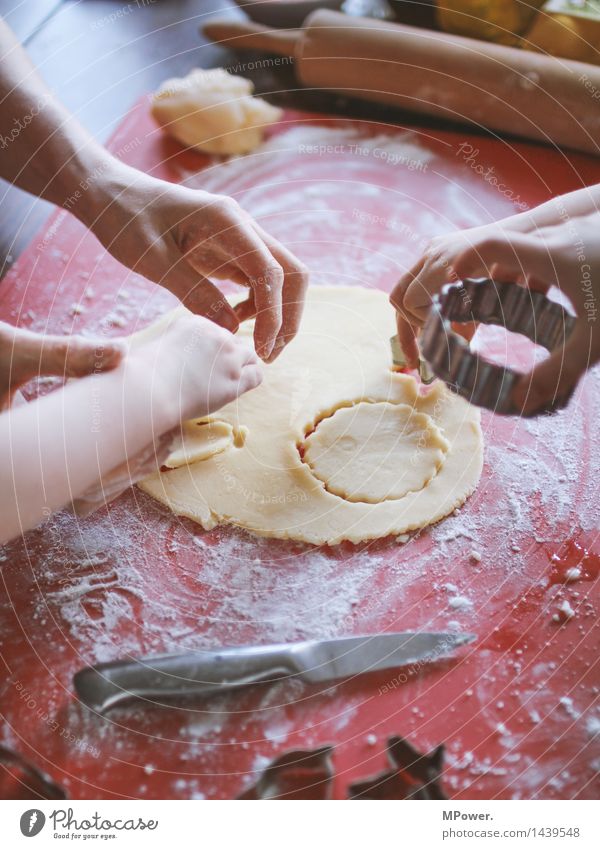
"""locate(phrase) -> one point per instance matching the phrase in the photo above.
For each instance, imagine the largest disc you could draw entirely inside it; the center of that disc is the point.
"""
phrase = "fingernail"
(263, 350)
(276, 351)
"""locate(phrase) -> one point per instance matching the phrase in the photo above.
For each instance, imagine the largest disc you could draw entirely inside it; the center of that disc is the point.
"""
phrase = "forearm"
(43, 148)
(54, 449)
(556, 211)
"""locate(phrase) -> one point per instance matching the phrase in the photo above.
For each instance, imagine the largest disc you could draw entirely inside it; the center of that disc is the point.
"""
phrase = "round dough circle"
(340, 357)
(373, 452)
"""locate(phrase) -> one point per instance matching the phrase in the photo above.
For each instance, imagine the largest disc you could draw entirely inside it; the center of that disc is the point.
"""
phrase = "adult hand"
(197, 366)
(180, 237)
(25, 355)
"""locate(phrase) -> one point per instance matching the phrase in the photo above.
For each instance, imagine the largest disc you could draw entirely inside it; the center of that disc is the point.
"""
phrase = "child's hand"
(199, 367)
(25, 355)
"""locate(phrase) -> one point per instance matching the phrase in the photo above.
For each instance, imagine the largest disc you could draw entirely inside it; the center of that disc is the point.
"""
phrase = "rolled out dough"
(337, 445)
(370, 452)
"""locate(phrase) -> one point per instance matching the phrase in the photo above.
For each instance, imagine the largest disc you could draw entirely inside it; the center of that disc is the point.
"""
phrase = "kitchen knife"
(201, 673)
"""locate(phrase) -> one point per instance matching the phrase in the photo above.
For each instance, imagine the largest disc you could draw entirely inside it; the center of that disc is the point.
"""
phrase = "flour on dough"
(361, 453)
(213, 111)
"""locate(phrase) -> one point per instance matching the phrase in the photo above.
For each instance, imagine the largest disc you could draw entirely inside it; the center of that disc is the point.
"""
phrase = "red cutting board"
(518, 711)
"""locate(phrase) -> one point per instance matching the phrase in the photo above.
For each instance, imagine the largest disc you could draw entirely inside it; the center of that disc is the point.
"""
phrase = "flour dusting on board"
(357, 208)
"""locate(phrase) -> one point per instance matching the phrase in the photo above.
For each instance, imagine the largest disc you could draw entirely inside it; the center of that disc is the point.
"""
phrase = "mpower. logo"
(32, 822)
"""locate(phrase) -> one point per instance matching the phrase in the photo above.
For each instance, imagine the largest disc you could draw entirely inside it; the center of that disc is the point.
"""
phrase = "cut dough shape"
(199, 439)
(372, 452)
(213, 111)
(340, 358)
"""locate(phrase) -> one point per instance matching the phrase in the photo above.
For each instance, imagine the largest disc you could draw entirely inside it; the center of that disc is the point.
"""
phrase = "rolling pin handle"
(246, 35)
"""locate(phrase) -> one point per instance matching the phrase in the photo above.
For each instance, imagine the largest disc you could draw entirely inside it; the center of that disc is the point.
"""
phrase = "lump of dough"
(372, 452)
(213, 111)
(199, 439)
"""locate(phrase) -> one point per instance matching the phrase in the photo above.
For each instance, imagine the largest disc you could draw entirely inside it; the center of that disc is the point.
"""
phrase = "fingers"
(33, 355)
(293, 295)
(261, 272)
(256, 268)
(399, 291)
(554, 380)
(507, 257)
(245, 309)
(25, 355)
(266, 282)
(406, 330)
(251, 377)
(77, 356)
(407, 336)
(229, 244)
(202, 297)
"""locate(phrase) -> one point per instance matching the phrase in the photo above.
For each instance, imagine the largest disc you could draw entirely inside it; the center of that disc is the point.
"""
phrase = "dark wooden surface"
(99, 66)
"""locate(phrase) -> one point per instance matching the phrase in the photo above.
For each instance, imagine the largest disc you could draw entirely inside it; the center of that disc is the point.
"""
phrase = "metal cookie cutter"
(516, 308)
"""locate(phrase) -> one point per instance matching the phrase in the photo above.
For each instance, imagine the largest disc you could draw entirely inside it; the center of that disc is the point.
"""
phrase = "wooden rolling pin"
(500, 88)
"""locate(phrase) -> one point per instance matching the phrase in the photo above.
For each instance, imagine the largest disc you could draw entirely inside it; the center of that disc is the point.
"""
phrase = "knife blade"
(202, 673)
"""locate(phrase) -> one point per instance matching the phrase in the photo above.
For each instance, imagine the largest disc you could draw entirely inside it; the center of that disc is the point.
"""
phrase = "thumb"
(77, 356)
(550, 384)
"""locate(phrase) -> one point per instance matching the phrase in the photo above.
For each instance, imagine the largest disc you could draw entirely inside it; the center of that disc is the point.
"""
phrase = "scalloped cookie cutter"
(516, 308)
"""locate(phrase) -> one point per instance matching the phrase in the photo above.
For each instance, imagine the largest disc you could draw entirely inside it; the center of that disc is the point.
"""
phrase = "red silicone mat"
(518, 711)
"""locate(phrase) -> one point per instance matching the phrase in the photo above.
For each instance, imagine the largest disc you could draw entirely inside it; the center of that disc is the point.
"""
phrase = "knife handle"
(174, 676)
